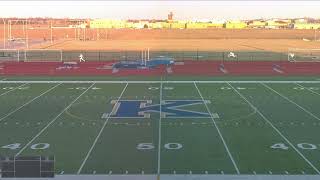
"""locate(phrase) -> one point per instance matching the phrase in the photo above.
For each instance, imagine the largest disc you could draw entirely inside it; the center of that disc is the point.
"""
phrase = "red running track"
(198, 68)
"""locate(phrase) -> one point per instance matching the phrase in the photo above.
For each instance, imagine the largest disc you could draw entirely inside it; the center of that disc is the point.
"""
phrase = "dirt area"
(135, 34)
(277, 45)
(173, 39)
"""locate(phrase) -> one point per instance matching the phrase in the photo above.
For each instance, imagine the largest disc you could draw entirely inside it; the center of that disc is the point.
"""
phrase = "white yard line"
(276, 129)
(99, 134)
(2, 118)
(159, 140)
(286, 98)
(52, 121)
(308, 89)
(157, 82)
(12, 89)
(215, 124)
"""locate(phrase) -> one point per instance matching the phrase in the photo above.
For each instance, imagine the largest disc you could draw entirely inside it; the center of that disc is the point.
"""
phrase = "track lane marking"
(99, 134)
(276, 129)
(52, 121)
(30, 101)
(286, 98)
(216, 126)
(13, 89)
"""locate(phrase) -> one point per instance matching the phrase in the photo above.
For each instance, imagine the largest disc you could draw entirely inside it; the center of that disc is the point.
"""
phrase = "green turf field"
(220, 127)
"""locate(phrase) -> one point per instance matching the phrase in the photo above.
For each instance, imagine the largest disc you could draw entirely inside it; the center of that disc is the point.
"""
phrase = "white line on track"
(286, 98)
(2, 118)
(12, 89)
(159, 140)
(52, 121)
(157, 82)
(99, 134)
(308, 89)
(215, 124)
(276, 129)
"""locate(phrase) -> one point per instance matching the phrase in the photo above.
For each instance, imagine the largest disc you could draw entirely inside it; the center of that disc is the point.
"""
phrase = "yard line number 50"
(149, 146)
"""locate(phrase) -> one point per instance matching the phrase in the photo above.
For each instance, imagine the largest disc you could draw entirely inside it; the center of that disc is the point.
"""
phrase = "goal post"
(303, 55)
(41, 55)
(9, 55)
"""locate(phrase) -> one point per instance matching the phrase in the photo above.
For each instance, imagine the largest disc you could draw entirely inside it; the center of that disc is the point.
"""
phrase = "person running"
(81, 59)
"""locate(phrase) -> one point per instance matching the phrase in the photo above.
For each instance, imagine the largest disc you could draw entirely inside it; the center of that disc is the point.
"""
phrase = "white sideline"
(52, 121)
(215, 124)
(2, 118)
(3, 79)
(276, 129)
(12, 89)
(99, 134)
(159, 140)
(286, 98)
(138, 82)
(308, 89)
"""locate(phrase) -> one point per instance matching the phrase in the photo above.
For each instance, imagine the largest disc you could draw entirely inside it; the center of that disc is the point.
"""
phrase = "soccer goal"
(303, 55)
(9, 55)
(41, 55)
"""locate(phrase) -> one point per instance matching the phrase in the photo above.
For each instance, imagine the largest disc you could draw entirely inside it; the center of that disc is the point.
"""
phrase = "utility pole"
(4, 33)
(27, 35)
(51, 32)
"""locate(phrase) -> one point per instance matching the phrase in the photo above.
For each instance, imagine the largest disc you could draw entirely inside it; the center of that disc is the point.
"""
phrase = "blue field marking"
(169, 109)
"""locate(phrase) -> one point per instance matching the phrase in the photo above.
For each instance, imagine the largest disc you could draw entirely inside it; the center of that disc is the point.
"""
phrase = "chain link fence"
(61, 55)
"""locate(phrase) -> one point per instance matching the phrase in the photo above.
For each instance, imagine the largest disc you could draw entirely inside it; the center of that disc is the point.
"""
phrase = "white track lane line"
(12, 89)
(286, 98)
(276, 129)
(157, 82)
(2, 118)
(215, 124)
(52, 121)
(308, 89)
(99, 134)
(159, 140)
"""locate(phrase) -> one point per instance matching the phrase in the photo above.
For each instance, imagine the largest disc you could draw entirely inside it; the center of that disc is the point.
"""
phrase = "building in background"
(235, 25)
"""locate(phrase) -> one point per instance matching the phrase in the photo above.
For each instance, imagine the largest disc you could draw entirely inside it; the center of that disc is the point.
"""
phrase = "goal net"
(9, 55)
(303, 55)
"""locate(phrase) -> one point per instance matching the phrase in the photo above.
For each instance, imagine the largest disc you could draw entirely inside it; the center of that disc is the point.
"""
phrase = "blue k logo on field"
(169, 109)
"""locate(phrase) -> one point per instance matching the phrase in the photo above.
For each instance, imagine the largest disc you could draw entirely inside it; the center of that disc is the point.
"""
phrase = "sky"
(183, 10)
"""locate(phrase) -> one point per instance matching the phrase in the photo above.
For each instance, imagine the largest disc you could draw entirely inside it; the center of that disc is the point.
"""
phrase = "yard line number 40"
(305, 146)
(37, 146)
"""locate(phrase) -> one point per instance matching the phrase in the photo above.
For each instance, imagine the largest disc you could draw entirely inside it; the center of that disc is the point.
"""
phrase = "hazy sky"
(160, 9)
